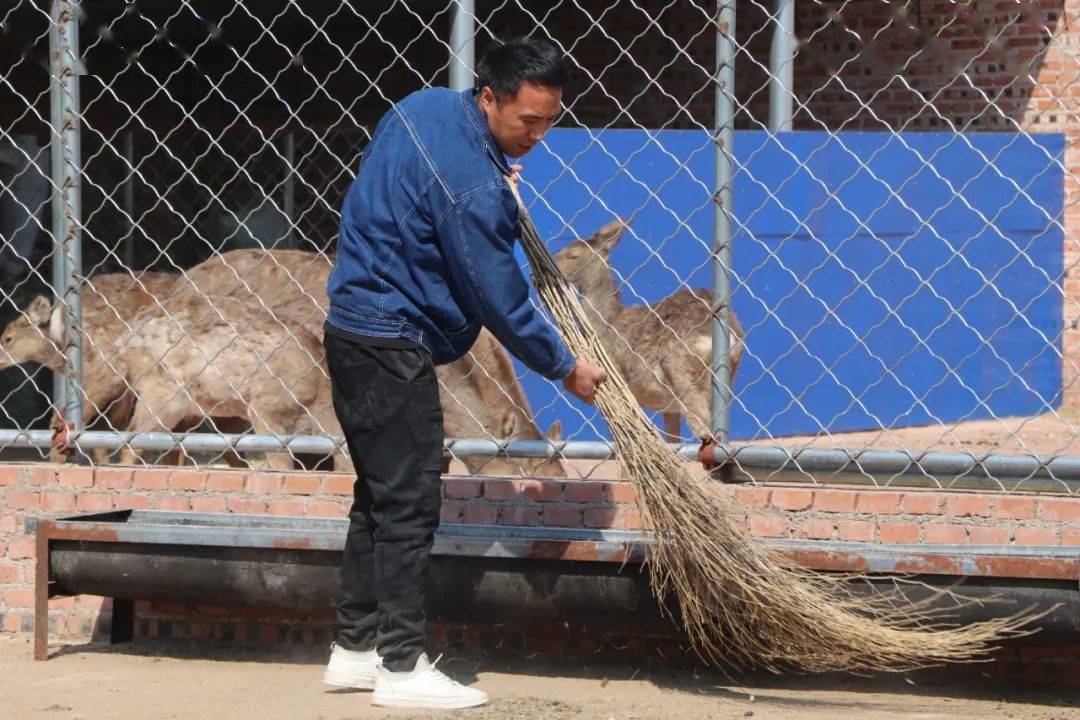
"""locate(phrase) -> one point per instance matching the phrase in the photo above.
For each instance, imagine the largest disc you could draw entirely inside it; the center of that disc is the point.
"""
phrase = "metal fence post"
(57, 177)
(723, 130)
(129, 199)
(461, 45)
(782, 67)
(67, 231)
(289, 201)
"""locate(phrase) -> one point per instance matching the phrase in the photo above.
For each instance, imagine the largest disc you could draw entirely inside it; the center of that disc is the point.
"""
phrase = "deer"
(109, 301)
(201, 356)
(481, 395)
(663, 349)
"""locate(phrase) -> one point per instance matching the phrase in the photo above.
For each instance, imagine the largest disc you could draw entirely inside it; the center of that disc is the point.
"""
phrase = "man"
(425, 258)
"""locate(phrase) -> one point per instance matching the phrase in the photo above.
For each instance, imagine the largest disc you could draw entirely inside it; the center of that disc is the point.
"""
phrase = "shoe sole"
(428, 703)
(352, 682)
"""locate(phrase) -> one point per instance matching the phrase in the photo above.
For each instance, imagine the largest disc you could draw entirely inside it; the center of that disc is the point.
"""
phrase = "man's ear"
(487, 98)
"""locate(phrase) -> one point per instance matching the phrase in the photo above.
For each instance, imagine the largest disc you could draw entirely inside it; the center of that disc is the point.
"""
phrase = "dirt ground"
(154, 679)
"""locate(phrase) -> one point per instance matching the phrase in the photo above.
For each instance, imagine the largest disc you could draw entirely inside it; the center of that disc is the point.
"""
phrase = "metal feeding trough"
(526, 576)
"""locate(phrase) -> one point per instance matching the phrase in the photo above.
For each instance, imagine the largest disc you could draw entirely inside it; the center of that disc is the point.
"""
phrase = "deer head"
(587, 262)
(26, 338)
(549, 467)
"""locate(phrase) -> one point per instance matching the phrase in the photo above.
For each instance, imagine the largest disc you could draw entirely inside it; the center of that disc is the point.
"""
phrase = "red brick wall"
(46, 491)
(972, 66)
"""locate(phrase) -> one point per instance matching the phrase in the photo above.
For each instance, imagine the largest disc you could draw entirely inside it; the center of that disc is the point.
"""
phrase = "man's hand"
(583, 381)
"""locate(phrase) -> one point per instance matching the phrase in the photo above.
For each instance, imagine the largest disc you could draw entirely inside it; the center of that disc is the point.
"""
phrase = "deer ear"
(554, 432)
(38, 312)
(56, 325)
(508, 426)
(607, 237)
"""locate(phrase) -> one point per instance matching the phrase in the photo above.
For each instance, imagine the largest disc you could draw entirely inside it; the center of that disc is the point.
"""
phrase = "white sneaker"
(351, 668)
(423, 687)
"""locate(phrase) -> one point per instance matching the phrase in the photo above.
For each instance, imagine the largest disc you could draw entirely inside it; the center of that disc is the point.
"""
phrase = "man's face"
(520, 123)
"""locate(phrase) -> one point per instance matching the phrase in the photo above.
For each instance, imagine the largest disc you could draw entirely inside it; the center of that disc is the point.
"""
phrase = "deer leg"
(161, 419)
(672, 426)
(280, 461)
(130, 457)
(176, 457)
(689, 381)
(343, 463)
(274, 424)
(232, 426)
(698, 400)
(698, 409)
(116, 415)
(473, 463)
(734, 358)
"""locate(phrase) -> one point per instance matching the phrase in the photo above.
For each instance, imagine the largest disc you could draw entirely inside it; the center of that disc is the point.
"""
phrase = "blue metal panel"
(884, 280)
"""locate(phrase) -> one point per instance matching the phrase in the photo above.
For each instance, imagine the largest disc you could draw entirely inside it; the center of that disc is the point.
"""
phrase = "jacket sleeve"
(477, 236)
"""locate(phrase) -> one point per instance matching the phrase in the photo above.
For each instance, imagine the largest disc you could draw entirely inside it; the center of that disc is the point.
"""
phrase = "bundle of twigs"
(739, 603)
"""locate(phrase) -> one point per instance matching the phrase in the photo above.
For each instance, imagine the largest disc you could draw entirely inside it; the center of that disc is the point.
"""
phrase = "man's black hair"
(506, 66)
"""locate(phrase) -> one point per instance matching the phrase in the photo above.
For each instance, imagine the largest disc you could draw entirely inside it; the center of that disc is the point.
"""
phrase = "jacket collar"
(480, 123)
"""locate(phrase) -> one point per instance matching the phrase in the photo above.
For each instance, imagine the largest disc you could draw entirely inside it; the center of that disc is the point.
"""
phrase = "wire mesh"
(902, 275)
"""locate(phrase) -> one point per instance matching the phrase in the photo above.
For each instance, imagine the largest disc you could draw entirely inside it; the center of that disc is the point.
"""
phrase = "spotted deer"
(480, 393)
(201, 356)
(663, 349)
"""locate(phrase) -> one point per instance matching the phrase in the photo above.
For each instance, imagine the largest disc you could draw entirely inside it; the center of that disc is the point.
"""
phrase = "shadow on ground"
(835, 690)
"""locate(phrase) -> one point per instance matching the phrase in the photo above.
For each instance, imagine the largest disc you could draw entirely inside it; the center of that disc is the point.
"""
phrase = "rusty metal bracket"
(722, 471)
(41, 591)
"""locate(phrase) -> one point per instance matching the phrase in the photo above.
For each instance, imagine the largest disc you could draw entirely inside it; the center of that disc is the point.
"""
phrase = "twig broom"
(739, 603)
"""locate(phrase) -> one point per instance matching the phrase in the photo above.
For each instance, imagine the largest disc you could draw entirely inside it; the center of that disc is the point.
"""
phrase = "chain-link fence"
(838, 236)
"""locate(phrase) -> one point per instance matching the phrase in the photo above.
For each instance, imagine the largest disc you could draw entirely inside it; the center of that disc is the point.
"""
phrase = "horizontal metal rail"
(817, 465)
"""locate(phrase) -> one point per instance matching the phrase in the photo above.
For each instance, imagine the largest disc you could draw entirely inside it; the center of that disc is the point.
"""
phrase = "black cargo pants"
(387, 401)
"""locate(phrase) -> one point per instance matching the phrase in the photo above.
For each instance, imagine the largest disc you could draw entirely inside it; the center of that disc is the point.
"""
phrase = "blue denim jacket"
(426, 249)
